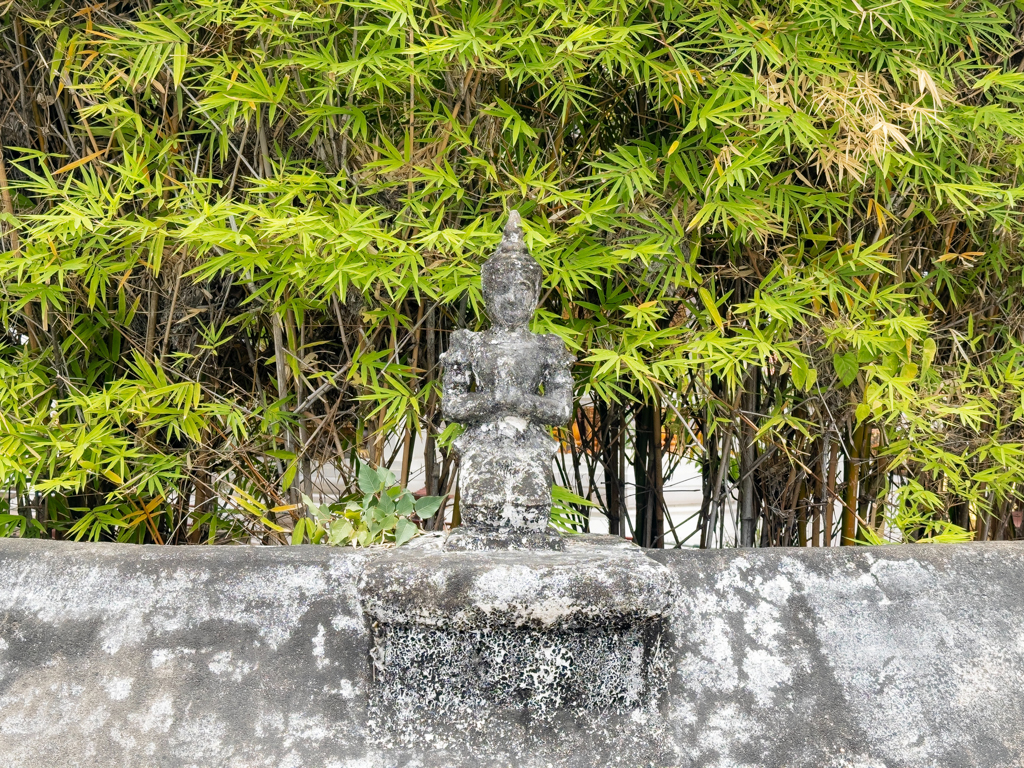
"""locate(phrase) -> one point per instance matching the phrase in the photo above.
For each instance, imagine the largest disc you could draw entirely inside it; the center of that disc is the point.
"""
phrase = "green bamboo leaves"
(846, 367)
(242, 233)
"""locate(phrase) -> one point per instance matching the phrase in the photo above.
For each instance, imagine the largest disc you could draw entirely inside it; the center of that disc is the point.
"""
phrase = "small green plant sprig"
(916, 527)
(383, 515)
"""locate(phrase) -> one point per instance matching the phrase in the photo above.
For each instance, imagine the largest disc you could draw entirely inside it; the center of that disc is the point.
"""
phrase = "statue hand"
(502, 395)
(505, 397)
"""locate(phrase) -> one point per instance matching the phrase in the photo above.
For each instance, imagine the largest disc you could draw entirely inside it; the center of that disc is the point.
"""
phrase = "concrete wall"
(889, 657)
(895, 657)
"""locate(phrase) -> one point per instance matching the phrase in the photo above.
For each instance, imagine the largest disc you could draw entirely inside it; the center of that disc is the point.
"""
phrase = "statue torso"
(505, 458)
(512, 360)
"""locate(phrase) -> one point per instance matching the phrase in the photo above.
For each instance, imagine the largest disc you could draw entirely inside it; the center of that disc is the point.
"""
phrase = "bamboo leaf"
(80, 161)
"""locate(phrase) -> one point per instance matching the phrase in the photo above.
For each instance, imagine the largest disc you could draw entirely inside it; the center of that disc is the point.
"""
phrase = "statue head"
(511, 279)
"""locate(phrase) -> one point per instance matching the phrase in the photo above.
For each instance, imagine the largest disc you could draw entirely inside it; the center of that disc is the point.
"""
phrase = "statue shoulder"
(459, 345)
(558, 353)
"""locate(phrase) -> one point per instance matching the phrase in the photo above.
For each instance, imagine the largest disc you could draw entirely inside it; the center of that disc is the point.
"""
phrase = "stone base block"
(512, 648)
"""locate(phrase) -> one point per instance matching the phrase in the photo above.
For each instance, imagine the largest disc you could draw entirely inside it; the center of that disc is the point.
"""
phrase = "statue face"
(511, 300)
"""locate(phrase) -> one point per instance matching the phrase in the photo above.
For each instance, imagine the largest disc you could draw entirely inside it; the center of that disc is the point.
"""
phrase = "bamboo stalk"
(608, 452)
(8, 207)
(849, 535)
(410, 433)
(658, 485)
(19, 34)
(748, 520)
(281, 370)
(151, 316)
(802, 515)
(12, 235)
(297, 342)
(868, 475)
(170, 312)
(831, 496)
(818, 502)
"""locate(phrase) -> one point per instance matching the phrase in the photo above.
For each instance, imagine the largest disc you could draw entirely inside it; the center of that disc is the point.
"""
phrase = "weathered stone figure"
(506, 385)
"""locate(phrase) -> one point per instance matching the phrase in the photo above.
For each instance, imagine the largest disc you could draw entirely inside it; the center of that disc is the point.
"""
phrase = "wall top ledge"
(933, 553)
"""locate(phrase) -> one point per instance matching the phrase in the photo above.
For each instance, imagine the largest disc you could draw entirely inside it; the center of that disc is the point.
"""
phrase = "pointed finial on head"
(511, 261)
(514, 227)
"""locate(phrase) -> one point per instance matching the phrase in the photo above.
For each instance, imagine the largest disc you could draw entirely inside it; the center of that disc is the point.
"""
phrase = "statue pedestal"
(510, 650)
(467, 539)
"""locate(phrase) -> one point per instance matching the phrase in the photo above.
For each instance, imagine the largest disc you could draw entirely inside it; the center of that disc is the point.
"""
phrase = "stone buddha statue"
(507, 386)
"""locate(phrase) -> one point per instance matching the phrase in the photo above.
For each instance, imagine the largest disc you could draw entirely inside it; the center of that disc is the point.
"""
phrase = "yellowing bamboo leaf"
(80, 161)
(270, 525)
(928, 349)
(153, 504)
(709, 304)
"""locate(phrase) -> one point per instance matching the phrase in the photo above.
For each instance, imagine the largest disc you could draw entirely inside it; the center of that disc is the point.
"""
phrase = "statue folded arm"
(554, 407)
(459, 404)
